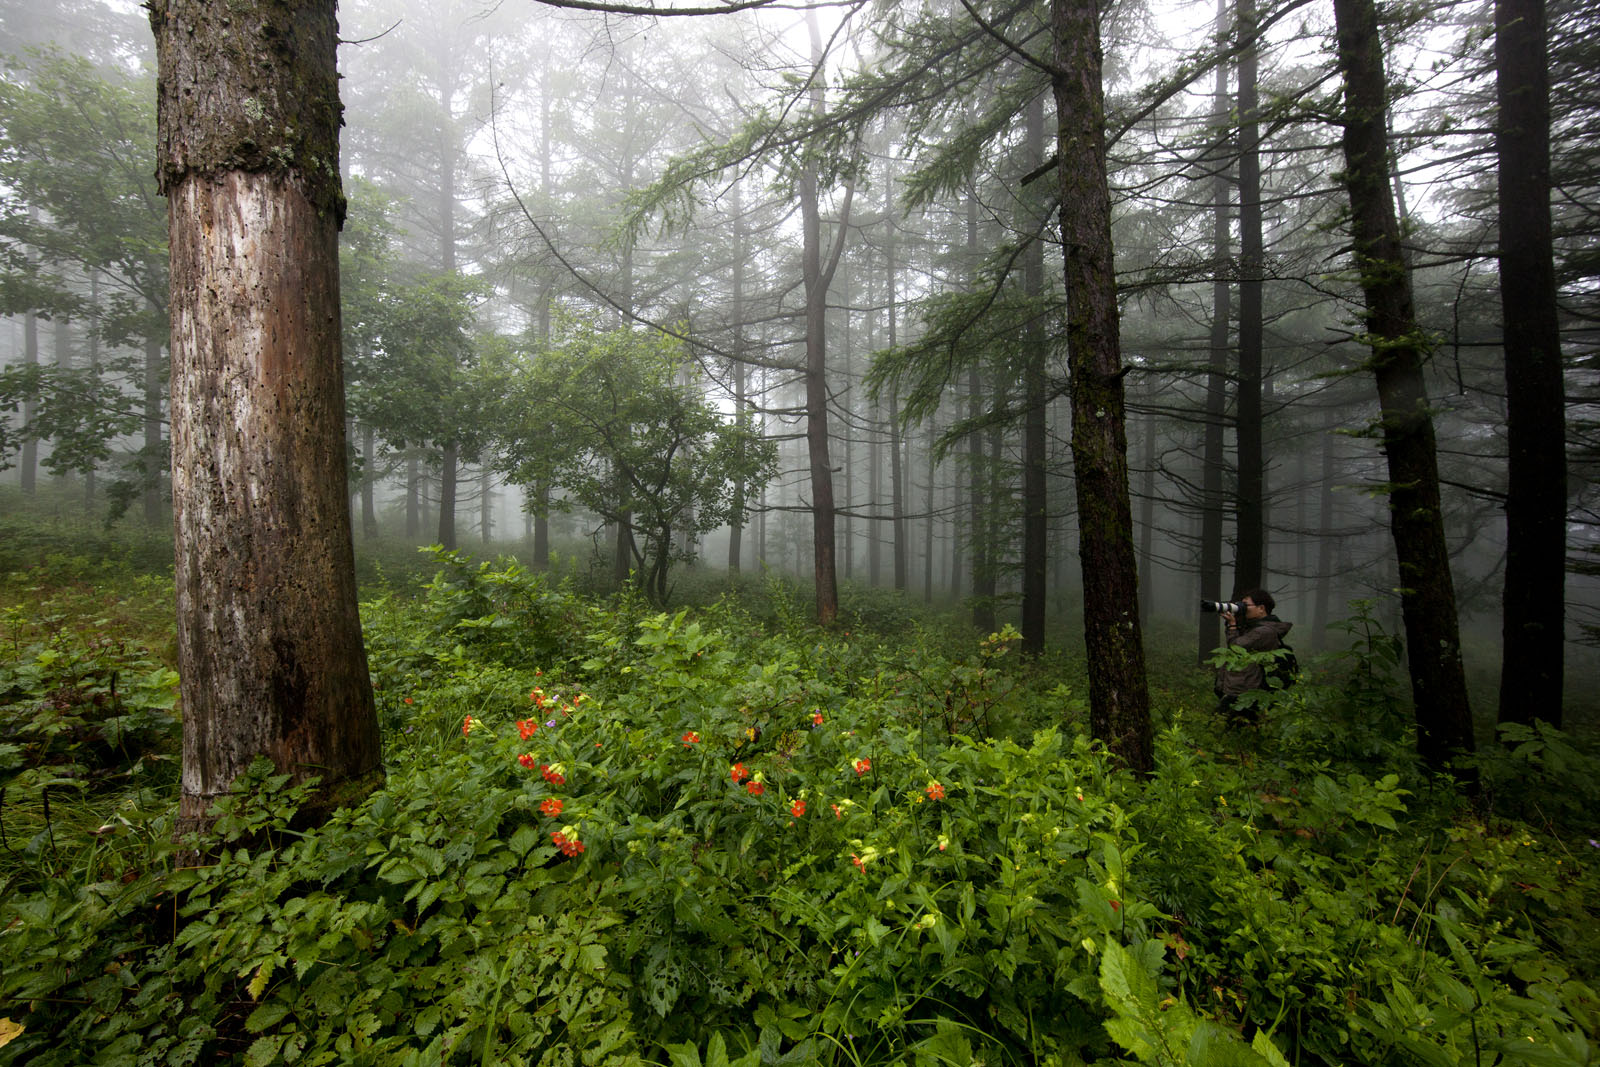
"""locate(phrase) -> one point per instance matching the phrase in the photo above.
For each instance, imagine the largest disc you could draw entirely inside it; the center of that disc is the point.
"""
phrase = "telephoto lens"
(1222, 607)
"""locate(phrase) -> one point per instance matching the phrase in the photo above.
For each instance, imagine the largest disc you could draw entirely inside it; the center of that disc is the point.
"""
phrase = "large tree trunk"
(1536, 498)
(1119, 702)
(269, 639)
(1427, 597)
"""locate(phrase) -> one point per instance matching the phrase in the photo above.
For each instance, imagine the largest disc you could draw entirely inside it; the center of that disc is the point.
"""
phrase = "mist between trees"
(790, 292)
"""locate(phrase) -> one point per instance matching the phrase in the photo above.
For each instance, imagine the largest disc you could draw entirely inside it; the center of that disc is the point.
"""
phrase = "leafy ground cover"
(720, 835)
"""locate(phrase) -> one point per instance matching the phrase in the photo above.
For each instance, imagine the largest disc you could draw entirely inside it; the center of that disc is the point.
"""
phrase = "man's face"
(1252, 610)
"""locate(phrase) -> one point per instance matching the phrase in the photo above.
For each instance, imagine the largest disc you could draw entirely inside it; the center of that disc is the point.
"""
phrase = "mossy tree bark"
(269, 639)
(1119, 699)
(1427, 593)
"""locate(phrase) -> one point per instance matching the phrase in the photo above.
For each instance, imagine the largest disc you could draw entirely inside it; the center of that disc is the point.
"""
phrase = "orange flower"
(568, 843)
(526, 727)
(755, 789)
(552, 806)
(690, 738)
(408, 700)
(863, 765)
(738, 773)
(935, 791)
(553, 775)
(526, 759)
(816, 717)
(798, 808)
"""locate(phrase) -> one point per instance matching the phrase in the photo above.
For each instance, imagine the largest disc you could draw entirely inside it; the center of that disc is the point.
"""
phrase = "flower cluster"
(468, 723)
(526, 727)
(527, 760)
(566, 839)
(554, 773)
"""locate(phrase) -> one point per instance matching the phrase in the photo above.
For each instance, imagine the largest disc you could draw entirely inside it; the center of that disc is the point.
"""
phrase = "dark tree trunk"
(269, 639)
(413, 495)
(541, 528)
(741, 399)
(1323, 610)
(1119, 701)
(151, 460)
(927, 529)
(1249, 568)
(978, 520)
(448, 475)
(1035, 438)
(1536, 498)
(1427, 598)
(1214, 459)
(29, 460)
(369, 476)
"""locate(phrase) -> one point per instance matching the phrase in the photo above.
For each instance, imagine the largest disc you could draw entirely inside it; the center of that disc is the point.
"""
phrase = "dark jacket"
(1260, 635)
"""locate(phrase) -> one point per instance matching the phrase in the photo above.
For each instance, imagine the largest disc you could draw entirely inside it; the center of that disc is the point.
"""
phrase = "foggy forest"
(553, 531)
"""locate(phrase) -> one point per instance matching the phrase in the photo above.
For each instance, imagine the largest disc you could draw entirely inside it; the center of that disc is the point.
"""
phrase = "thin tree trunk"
(1214, 458)
(29, 460)
(413, 495)
(1249, 569)
(897, 477)
(1035, 431)
(1536, 475)
(448, 474)
(151, 459)
(1427, 598)
(369, 510)
(269, 639)
(1119, 702)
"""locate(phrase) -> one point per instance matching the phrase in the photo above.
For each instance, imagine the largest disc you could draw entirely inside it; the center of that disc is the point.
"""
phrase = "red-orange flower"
(816, 718)
(552, 806)
(408, 700)
(863, 765)
(690, 738)
(527, 760)
(568, 844)
(755, 789)
(526, 727)
(798, 808)
(553, 775)
(738, 773)
(935, 791)
(466, 726)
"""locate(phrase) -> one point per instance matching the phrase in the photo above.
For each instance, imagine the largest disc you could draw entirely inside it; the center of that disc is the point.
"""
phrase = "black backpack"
(1284, 670)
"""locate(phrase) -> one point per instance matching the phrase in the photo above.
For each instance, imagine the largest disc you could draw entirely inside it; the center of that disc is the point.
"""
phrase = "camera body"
(1222, 607)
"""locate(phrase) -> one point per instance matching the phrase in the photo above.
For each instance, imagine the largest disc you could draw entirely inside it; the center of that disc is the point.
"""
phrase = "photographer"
(1257, 631)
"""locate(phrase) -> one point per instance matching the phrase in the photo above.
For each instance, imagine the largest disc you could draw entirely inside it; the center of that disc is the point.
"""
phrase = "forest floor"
(718, 834)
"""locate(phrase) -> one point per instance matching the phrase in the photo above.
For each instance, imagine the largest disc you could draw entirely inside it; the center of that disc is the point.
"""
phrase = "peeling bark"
(269, 639)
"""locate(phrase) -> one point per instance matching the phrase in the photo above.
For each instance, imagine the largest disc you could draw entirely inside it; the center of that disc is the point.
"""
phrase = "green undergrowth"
(723, 836)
